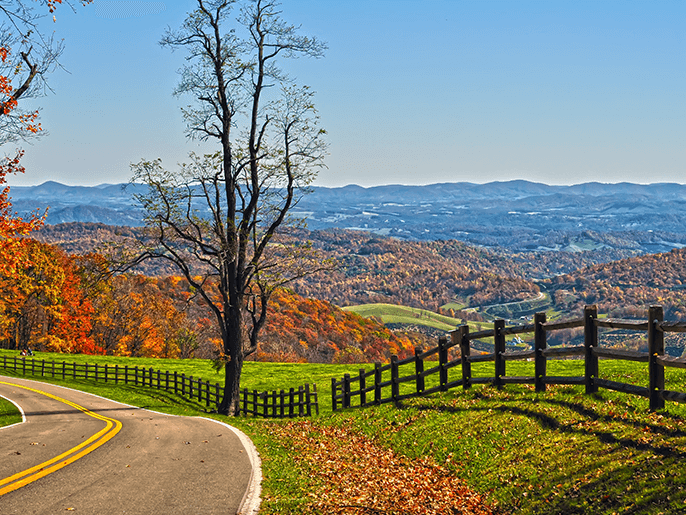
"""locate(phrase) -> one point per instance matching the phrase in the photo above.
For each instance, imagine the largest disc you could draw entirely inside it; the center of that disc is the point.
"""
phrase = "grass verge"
(9, 414)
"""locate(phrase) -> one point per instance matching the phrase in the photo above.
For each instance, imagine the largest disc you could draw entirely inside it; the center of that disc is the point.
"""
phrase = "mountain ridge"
(517, 214)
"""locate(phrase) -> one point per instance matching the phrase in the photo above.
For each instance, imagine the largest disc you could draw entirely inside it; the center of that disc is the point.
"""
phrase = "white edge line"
(23, 416)
(251, 499)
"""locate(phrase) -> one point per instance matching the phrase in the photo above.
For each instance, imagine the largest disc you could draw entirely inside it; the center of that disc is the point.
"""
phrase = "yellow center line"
(30, 475)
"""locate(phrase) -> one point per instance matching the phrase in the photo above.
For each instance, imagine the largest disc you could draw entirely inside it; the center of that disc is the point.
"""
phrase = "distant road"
(82, 453)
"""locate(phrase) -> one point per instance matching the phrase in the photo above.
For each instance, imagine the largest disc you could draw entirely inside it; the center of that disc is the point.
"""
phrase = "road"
(83, 453)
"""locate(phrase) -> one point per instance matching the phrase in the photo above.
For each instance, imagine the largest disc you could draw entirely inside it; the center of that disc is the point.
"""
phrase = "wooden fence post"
(395, 386)
(334, 389)
(346, 391)
(291, 402)
(590, 342)
(461, 337)
(442, 362)
(301, 400)
(539, 345)
(499, 344)
(656, 347)
(419, 370)
(377, 383)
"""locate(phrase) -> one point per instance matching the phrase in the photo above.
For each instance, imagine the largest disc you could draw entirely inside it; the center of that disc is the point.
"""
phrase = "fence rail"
(343, 391)
(294, 403)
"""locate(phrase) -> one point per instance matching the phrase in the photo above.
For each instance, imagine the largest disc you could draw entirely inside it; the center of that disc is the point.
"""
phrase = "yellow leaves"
(354, 475)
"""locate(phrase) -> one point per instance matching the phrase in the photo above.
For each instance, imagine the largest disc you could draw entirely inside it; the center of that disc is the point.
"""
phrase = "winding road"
(83, 453)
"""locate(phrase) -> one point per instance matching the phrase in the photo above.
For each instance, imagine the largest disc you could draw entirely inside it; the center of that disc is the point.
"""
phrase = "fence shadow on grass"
(551, 423)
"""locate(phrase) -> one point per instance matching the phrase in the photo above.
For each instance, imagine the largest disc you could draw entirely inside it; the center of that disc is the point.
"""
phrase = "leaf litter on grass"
(356, 476)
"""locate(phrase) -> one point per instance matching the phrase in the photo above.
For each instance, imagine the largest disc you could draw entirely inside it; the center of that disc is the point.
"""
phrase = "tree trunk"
(233, 348)
(232, 385)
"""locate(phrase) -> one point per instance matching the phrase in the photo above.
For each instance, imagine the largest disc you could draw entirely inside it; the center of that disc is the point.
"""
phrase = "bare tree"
(219, 217)
(27, 55)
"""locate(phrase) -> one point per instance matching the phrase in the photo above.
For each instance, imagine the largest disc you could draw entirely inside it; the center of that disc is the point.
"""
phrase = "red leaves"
(354, 475)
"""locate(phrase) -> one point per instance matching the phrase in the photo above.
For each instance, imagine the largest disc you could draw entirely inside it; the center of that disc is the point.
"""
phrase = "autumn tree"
(26, 57)
(218, 217)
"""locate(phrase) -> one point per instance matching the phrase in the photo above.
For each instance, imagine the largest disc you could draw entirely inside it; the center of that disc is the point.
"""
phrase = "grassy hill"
(555, 452)
(394, 314)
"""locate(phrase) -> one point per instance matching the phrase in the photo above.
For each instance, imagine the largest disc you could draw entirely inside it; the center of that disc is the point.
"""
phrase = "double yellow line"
(112, 427)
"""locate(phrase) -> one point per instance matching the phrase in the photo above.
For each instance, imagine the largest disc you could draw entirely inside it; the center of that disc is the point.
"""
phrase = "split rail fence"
(369, 388)
(278, 404)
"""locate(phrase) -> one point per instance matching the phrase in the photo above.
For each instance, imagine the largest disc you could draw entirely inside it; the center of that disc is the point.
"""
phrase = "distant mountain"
(519, 215)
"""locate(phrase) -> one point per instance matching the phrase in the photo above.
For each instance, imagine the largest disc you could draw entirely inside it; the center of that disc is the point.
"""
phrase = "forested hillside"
(59, 302)
(626, 287)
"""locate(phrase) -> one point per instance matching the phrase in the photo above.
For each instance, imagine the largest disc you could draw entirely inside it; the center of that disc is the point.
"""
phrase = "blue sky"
(410, 92)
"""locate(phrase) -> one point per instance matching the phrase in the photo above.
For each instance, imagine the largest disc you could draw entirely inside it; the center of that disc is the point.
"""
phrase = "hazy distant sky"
(410, 91)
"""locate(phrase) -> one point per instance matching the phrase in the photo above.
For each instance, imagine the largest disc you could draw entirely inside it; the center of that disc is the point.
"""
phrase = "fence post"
(333, 394)
(291, 402)
(442, 362)
(346, 391)
(656, 347)
(363, 386)
(419, 370)
(395, 386)
(461, 337)
(244, 410)
(499, 344)
(539, 345)
(301, 400)
(590, 342)
(64, 369)
(377, 383)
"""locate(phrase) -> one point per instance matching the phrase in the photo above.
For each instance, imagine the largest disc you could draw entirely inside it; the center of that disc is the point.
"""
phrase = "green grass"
(457, 306)
(560, 451)
(9, 414)
(395, 314)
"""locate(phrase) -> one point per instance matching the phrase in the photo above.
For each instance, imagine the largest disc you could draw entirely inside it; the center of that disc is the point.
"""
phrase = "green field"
(560, 451)
(394, 314)
(9, 414)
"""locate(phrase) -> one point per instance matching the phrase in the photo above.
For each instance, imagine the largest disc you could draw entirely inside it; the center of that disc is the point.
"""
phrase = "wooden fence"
(378, 391)
(294, 403)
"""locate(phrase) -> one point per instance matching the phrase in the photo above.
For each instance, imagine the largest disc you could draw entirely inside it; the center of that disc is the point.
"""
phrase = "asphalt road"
(119, 459)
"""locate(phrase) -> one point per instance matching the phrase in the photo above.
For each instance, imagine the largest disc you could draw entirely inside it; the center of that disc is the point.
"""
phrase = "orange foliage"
(42, 303)
(311, 330)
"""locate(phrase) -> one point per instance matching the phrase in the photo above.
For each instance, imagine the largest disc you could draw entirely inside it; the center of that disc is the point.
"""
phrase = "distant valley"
(514, 215)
